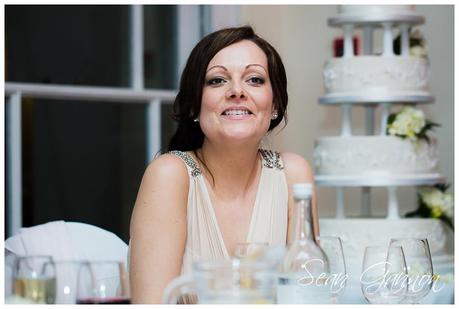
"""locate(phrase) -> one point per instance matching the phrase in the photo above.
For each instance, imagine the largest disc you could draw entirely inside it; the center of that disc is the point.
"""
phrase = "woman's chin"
(237, 134)
(242, 137)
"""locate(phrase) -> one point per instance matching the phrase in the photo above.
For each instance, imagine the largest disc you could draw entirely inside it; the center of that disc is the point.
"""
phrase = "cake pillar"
(346, 120)
(405, 40)
(392, 207)
(340, 203)
(348, 44)
(388, 40)
(385, 110)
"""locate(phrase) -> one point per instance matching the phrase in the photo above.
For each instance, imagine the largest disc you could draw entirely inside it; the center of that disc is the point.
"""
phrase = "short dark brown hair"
(187, 104)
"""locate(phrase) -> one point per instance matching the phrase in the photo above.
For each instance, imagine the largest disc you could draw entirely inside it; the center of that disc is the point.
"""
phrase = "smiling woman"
(237, 99)
(215, 187)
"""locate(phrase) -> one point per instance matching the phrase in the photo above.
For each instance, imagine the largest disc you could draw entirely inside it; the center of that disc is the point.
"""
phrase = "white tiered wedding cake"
(379, 81)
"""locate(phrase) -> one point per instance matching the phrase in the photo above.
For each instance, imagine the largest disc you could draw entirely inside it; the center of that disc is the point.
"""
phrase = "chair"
(85, 241)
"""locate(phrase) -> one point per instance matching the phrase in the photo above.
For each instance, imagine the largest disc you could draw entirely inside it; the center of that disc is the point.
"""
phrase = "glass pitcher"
(235, 281)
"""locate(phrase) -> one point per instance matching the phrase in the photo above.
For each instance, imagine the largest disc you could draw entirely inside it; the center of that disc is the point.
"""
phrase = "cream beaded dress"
(269, 215)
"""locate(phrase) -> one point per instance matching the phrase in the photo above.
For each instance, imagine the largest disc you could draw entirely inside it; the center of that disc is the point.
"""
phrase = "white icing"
(374, 155)
(376, 74)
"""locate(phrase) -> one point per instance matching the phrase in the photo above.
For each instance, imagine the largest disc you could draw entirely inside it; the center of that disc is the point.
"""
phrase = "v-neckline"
(214, 216)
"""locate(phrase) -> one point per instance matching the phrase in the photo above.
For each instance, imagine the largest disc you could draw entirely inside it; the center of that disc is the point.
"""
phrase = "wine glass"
(35, 279)
(337, 280)
(384, 277)
(419, 267)
(103, 282)
(250, 250)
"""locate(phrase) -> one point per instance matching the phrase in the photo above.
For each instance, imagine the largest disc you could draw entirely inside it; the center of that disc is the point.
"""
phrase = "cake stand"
(384, 100)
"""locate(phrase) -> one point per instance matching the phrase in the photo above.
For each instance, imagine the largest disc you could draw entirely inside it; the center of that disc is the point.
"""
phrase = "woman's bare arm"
(158, 228)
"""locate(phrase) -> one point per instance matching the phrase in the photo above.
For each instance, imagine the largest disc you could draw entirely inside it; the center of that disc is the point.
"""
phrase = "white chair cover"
(68, 241)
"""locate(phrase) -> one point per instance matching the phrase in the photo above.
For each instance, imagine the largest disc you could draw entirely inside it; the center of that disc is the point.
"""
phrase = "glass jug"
(235, 281)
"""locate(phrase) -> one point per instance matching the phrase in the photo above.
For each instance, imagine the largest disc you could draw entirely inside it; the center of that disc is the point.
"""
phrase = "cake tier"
(376, 74)
(374, 156)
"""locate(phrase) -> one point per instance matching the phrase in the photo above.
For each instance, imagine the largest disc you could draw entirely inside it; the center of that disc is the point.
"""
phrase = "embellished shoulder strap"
(195, 170)
(271, 159)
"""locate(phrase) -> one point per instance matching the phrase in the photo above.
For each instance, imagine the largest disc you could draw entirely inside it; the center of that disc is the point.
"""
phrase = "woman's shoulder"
(167, 166)
(296, 168)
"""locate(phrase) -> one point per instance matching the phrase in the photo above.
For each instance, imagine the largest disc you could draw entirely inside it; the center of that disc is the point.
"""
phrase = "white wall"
(302, 37)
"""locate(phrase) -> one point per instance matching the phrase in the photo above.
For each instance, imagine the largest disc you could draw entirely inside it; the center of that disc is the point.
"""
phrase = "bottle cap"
(302, 190)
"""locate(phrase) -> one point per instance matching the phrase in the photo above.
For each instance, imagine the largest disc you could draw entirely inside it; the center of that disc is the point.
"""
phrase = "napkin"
(52, 238)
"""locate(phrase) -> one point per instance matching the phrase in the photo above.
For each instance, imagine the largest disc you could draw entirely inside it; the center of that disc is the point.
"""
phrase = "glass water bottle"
(304, 273)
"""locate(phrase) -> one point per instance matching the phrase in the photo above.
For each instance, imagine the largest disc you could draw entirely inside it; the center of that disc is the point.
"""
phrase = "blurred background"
(89, 91)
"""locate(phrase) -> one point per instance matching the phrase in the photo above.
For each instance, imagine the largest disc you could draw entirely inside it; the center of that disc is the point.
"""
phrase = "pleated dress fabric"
(269, 215)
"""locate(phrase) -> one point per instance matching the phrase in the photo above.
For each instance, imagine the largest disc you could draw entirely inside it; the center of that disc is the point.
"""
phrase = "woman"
(216, 188)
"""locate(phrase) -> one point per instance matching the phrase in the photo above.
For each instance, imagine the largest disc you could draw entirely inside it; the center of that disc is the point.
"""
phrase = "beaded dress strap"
(271, 159)
(195, 170)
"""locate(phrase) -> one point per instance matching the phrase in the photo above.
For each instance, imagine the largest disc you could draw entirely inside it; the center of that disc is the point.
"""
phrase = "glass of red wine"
(103, 282)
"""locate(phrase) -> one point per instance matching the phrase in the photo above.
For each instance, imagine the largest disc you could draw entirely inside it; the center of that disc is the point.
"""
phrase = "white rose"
(432, 197)
(401, 124)
(408, 123)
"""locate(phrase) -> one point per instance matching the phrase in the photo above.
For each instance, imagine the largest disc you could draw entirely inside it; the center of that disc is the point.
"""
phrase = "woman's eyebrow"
(247, 66)
(217, 66)
(258, 65)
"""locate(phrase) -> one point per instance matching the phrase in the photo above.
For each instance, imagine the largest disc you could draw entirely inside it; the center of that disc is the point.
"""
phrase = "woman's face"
(237, 98)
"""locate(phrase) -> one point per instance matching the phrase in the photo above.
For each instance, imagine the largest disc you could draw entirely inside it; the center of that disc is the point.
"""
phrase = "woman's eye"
(256, 80)
(215, 81)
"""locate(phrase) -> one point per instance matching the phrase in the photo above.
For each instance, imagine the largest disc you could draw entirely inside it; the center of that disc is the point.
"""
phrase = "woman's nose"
(236, 91)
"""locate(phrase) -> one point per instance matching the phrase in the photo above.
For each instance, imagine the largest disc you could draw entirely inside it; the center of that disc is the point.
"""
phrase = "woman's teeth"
(236, 112)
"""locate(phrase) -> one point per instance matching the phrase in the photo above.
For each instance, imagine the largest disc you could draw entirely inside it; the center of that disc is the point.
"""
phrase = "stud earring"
(196, 119)
(274, 116)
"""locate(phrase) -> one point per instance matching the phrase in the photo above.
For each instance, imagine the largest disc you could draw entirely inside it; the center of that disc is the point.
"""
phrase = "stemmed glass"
(103, 282)
(419, 267)
(384, 277)
(35, 279)
(333, 248)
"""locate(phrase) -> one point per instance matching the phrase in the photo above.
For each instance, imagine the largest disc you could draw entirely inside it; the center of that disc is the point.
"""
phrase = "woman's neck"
(233, 171)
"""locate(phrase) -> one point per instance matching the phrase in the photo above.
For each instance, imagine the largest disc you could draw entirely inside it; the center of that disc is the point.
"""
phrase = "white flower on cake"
(439, 202)
(418, 46)
(435, 202)
(418, 51)
(409, 123)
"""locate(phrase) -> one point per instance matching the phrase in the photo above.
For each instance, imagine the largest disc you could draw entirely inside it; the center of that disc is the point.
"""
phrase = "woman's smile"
(237, 113)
